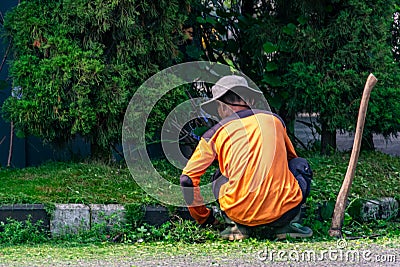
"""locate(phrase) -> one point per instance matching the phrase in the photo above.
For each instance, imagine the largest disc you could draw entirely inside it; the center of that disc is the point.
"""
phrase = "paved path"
(243, 254)
(344, 141)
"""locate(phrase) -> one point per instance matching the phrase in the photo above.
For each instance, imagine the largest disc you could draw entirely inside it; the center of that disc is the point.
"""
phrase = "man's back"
(252, 149)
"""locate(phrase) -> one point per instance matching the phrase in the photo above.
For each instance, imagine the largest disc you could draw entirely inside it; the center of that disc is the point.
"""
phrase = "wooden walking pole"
(338, 213)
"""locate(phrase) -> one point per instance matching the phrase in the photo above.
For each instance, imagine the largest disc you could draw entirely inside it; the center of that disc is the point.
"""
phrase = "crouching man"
(261, 181)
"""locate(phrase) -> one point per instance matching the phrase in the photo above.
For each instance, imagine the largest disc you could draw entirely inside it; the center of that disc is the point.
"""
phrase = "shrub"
(78, 63)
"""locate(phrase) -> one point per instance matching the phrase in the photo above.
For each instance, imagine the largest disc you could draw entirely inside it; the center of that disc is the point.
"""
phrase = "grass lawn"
(59, 182)
(377, 175)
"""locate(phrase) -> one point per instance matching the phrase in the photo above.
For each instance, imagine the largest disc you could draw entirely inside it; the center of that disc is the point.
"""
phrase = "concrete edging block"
(108, 214)
(23, 212)
(155, 215)
(70, 218)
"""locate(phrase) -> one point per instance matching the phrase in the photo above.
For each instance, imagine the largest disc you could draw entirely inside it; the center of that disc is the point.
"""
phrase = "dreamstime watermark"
(134, 130)
(339, 254)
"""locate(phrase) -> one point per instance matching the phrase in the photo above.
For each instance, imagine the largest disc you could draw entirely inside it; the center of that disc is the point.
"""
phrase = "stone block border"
(22, 212)
(71, 218)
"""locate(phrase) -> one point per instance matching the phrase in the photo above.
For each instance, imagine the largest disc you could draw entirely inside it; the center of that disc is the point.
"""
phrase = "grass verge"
(69, 182)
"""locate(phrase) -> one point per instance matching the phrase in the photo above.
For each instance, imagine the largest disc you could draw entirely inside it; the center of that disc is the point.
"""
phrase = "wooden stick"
(2, 140)
(338, 213)
(10, 151)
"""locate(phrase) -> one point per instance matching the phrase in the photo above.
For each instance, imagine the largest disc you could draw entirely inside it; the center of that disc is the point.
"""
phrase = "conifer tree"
(78, 62)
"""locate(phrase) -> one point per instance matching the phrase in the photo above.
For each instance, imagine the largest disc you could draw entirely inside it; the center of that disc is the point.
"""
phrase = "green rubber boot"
(294, 230)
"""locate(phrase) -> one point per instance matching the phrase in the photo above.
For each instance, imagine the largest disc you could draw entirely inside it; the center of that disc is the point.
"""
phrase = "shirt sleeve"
(202, 158)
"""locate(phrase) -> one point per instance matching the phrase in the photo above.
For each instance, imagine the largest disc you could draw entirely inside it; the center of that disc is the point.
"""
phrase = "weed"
(177, 230)
(15, 232)
(134, 213)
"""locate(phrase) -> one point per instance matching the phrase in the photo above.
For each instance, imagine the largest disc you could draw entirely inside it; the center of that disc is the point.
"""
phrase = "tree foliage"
(312, 56)
(349, 42)
(78, 63)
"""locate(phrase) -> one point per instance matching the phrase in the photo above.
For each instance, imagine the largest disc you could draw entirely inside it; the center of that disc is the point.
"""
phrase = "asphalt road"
(344, 141)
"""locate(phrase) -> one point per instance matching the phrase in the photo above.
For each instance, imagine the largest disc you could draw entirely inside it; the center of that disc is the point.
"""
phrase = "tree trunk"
(289, 118)
(100, 153)
(328, 140)
(245, 65)
(367, 143)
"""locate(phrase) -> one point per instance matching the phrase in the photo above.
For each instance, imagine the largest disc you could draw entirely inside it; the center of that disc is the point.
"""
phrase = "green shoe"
(235, 232)
(293, 230)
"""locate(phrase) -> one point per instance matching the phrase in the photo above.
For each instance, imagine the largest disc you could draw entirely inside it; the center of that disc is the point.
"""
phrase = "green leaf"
(199, 131)
(275, 102)
(230, 63)
(201, 20)
(272, 80)
(211, 20)
(289, 29)
(347, 219)
(354, 208)
(302, 20)
(269, 47)
(327, 210)
(19, 134)
(271, 66)
(285, 47)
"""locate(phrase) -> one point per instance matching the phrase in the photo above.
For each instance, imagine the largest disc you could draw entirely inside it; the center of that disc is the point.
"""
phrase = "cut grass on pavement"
(217, 253)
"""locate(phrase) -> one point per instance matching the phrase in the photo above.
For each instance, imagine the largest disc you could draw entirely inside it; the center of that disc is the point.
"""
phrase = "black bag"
(303, 173)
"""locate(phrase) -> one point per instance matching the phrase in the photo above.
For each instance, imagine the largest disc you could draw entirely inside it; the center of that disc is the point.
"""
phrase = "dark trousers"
(301, 171)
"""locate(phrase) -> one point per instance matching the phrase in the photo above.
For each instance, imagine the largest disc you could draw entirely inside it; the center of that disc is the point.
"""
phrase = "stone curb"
(72, 218)
(384, 208)
(22, 212)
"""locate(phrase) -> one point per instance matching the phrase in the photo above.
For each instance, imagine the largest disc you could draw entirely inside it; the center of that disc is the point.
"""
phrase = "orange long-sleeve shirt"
(253, 151)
